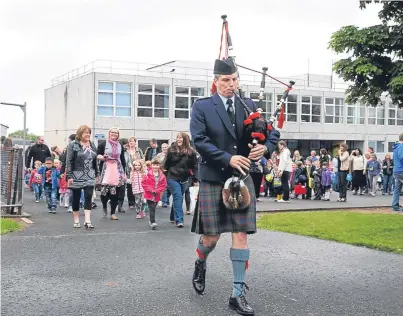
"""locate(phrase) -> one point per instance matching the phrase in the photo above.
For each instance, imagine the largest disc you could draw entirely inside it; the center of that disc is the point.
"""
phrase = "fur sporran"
(235, 194)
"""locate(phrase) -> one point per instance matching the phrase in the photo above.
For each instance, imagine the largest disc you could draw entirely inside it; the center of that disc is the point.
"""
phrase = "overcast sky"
(41, 40)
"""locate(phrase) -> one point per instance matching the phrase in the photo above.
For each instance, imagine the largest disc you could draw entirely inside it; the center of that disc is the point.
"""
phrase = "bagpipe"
(257, 128)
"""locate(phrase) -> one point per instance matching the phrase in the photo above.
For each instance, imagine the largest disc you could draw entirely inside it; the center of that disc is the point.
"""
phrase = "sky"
(41, 40)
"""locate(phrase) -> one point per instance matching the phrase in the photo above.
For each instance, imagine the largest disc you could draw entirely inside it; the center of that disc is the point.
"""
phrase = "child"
(136, 176)
(153, 183)
(300, 177)
(268, 180)
(148, 166)
(373, 168)
(317, 180)
(50, 183)
(58, 165)
(309, 185)
(326, 182)
(35, 181)
(64, 191)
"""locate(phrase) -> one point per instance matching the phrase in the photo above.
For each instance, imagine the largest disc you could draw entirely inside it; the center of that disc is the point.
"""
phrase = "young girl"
(35, 181)
(64, 191)
(154, 183)
(326, 183)
(136, 176)
(277, 186)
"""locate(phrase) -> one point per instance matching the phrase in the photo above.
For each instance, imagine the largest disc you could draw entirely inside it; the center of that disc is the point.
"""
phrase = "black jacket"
(148, 153)
(37, 152)
(179, 166)
(386, 170)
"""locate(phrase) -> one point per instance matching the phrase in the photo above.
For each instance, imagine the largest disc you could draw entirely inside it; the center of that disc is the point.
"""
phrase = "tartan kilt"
(211, 217)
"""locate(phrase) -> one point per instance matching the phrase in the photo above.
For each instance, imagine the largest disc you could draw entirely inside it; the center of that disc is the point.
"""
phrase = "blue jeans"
(387, 183)
(37, 190)
(51, 197)
(177, 190)
(335, 183)
(396, 192)
(165, 197)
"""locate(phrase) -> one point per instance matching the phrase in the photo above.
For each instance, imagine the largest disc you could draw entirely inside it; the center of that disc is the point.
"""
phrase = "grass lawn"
(8, 225)
(378, 231)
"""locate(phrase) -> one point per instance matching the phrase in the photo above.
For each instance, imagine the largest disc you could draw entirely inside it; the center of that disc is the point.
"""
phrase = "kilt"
(211, 216)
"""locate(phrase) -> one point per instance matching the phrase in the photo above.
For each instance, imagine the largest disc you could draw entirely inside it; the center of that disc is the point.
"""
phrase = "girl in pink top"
(136, 176)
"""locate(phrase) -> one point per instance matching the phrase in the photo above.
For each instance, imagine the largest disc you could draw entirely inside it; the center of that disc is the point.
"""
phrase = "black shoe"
(199, 277)
(240, 305)
(94, 205)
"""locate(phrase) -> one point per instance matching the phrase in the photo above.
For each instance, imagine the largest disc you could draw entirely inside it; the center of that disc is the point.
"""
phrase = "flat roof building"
(155, 101)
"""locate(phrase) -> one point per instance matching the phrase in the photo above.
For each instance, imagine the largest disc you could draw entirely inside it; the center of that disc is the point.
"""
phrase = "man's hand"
(240, 162)
(257, 151)
(70, 182)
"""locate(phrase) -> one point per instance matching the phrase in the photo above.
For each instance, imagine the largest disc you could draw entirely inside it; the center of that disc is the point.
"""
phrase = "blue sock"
(203, 251)
(239, 258)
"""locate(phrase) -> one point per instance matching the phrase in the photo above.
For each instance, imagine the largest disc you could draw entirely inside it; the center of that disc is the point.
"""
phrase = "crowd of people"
(70, 177)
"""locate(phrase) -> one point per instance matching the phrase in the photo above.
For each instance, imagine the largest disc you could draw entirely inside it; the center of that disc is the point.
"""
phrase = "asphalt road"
(123, 268)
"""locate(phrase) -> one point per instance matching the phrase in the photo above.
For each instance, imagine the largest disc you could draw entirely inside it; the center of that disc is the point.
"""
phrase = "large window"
(376, 115)
(356, 114)
(290, 109)
(184, 99)
(377, 145)
(267, 102)
(334, 110)
(153, 101)
(310, 109)
(114, 99)
(390, 146)
(395, 115)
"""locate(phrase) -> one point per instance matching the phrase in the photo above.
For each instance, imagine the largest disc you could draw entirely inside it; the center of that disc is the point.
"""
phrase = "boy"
(50, 176)
(317, 180)
(373, 168)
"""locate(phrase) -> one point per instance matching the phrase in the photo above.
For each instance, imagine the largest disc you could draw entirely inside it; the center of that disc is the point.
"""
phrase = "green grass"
(8, 225)
(373, 230)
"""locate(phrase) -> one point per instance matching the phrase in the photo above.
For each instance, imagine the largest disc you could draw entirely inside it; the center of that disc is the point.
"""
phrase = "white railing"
(174, 70)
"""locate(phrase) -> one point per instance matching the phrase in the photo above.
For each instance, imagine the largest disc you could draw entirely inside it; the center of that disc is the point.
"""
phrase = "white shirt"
(224, 100)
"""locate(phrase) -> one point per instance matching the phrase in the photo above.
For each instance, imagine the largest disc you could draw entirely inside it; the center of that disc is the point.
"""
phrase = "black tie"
(230, 111)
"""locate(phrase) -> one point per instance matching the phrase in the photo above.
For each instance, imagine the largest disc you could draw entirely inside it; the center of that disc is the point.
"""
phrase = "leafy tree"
(374, 62)
(20, 134)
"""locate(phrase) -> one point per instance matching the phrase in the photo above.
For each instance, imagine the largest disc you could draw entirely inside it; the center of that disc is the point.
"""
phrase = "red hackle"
(281, 118)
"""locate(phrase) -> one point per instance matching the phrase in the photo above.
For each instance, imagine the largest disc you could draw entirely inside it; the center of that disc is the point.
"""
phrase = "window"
(334, 110)
(356, 114)
(390, 146)
(377, 145)
(267, 101)
(376, 115)
(144, 143)
(184, 99)
(114, 99)
(395, 115)
(310, 109)
(290, 109)
(153, 101)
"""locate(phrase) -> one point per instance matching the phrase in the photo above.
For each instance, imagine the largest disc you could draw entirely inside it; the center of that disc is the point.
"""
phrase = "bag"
(299, 189)
(311, 183)
(111, 174)
(302, 178)
(349, 177)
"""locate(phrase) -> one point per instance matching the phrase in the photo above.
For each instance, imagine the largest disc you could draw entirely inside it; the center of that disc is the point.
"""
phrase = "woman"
(284, 169)
(82, 173)
(357, 166)
(343, 172)
(297, 157)
(161, 158)
(180, 164)
(132, 154)
(112, 166)
(387, 169)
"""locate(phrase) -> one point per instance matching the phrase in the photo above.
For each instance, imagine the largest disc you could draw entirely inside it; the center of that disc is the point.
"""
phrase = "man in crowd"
(397, 173)
(152, 151)
(39, 151)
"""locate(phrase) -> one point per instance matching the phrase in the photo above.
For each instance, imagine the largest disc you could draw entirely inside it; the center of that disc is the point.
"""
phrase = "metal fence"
(11, 181)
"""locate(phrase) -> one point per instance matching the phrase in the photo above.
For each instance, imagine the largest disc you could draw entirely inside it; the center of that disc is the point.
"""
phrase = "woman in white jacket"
(284, 169)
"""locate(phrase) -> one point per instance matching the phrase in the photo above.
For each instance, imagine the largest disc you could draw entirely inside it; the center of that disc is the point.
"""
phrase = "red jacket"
(152, 190)
(35, 177)
(63, 182)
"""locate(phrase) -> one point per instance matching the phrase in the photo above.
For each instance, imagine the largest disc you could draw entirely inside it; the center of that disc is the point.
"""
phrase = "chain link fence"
(11, 181)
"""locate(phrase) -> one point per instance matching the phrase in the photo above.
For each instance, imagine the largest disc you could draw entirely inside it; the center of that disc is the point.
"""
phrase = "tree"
(374, 66)
(20, 134)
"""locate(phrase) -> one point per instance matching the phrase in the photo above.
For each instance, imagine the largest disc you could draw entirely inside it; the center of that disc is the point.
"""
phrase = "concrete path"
(123, 268)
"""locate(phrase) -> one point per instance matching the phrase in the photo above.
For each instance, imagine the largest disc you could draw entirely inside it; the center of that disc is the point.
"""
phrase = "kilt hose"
(211, 217)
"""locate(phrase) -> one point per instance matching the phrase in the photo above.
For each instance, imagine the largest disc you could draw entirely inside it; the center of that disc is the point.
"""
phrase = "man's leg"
(396, 194)
(205, 246)
(239, 254)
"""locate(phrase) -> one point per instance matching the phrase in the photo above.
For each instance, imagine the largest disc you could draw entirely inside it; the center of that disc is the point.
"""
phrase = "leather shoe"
(240, 305)
(199, 277)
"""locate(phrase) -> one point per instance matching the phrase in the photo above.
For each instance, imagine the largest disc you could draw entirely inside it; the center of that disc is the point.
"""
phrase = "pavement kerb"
(331, 208)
